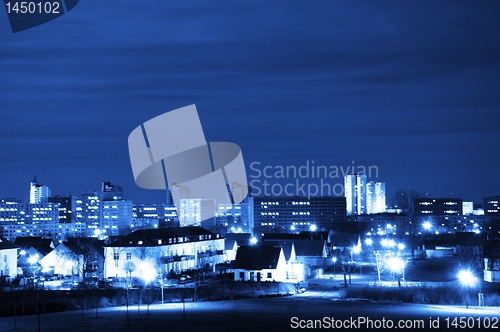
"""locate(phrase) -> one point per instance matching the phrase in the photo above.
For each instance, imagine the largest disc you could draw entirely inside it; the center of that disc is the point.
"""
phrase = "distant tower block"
(38, 192)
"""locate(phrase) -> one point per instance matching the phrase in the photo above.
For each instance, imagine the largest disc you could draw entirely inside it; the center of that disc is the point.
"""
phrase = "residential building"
(8, 260)
(375, 197)
(166, 250)
(296, 214)
(260, 263)
(80, 257)
(355, 193)
(38, 193)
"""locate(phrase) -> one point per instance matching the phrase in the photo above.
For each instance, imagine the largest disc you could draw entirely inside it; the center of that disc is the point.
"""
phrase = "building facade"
(165, 250)
(296, 214)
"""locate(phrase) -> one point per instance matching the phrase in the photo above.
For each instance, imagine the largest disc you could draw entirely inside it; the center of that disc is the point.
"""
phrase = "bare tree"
(404, 200)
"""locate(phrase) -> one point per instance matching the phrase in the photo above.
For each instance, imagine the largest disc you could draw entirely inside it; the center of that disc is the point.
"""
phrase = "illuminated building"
(296, 214)
(38, 193)
(355, 194)
(375, 197)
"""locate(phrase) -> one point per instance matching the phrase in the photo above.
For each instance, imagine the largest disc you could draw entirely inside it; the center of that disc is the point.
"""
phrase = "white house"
(260, 263)
(8, 259)
(154, 252)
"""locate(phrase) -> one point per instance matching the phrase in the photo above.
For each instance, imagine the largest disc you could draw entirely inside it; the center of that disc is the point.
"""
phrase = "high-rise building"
(193, 211)
(355, 193)
(89, 209)
(38, 193)
(438, 206)
(235, 218)
(116, 217)
(375, 197)
(296, 214)
(65, 207)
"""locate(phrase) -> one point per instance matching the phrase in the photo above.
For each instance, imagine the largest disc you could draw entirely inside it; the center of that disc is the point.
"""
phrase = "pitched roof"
(85, 245)
(300, 236)
(257, 257)
(161, 236)
(43, 246)
(286, 245)
(5, 244)
(309, 247)
(242, 239)
(229, 244)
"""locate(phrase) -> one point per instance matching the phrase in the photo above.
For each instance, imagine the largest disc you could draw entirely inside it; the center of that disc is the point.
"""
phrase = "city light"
(313, 228)
(388, 243)
(466, 278)
(148, 272)
(427, 225)
(395, 264)
(33, 259)
(253, 240)
(369, 242)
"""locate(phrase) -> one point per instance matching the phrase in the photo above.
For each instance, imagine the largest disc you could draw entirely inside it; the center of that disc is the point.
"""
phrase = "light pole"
(356, 250)
(148, 274)
(33, 260)
(334, 260)
(397, 265)
(467, 279)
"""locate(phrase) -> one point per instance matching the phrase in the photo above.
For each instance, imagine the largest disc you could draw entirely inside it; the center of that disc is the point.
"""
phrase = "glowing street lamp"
(397, 265)
(427, 225)
(253, 240)
(334, 260)
(467, 279)
(313, 228)
(33, 260)
(148, 274)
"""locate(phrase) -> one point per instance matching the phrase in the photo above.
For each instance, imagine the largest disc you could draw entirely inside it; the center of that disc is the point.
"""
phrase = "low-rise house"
(260, 263)
(8, 260)
(82, 257)
(31, 250)
(492, 261)
(233, 241)
(294, 268)
(158, 252)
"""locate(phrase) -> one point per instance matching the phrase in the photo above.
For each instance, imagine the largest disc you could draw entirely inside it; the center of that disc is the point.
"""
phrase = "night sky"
(411, 87)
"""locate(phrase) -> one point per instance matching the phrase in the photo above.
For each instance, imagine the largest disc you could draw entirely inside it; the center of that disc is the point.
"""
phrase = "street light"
(467, 279)
(334, 260)
(34, 260)
(397, 265)
(427, 225)
(148, 274)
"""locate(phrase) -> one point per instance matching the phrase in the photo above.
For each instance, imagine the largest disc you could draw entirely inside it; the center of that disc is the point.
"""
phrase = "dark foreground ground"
(263, 314)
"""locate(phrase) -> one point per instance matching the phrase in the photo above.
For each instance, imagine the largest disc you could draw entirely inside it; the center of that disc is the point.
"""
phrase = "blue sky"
(411, 87)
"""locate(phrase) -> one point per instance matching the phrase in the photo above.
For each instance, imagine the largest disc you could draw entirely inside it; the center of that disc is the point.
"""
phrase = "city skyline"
(409, 88)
